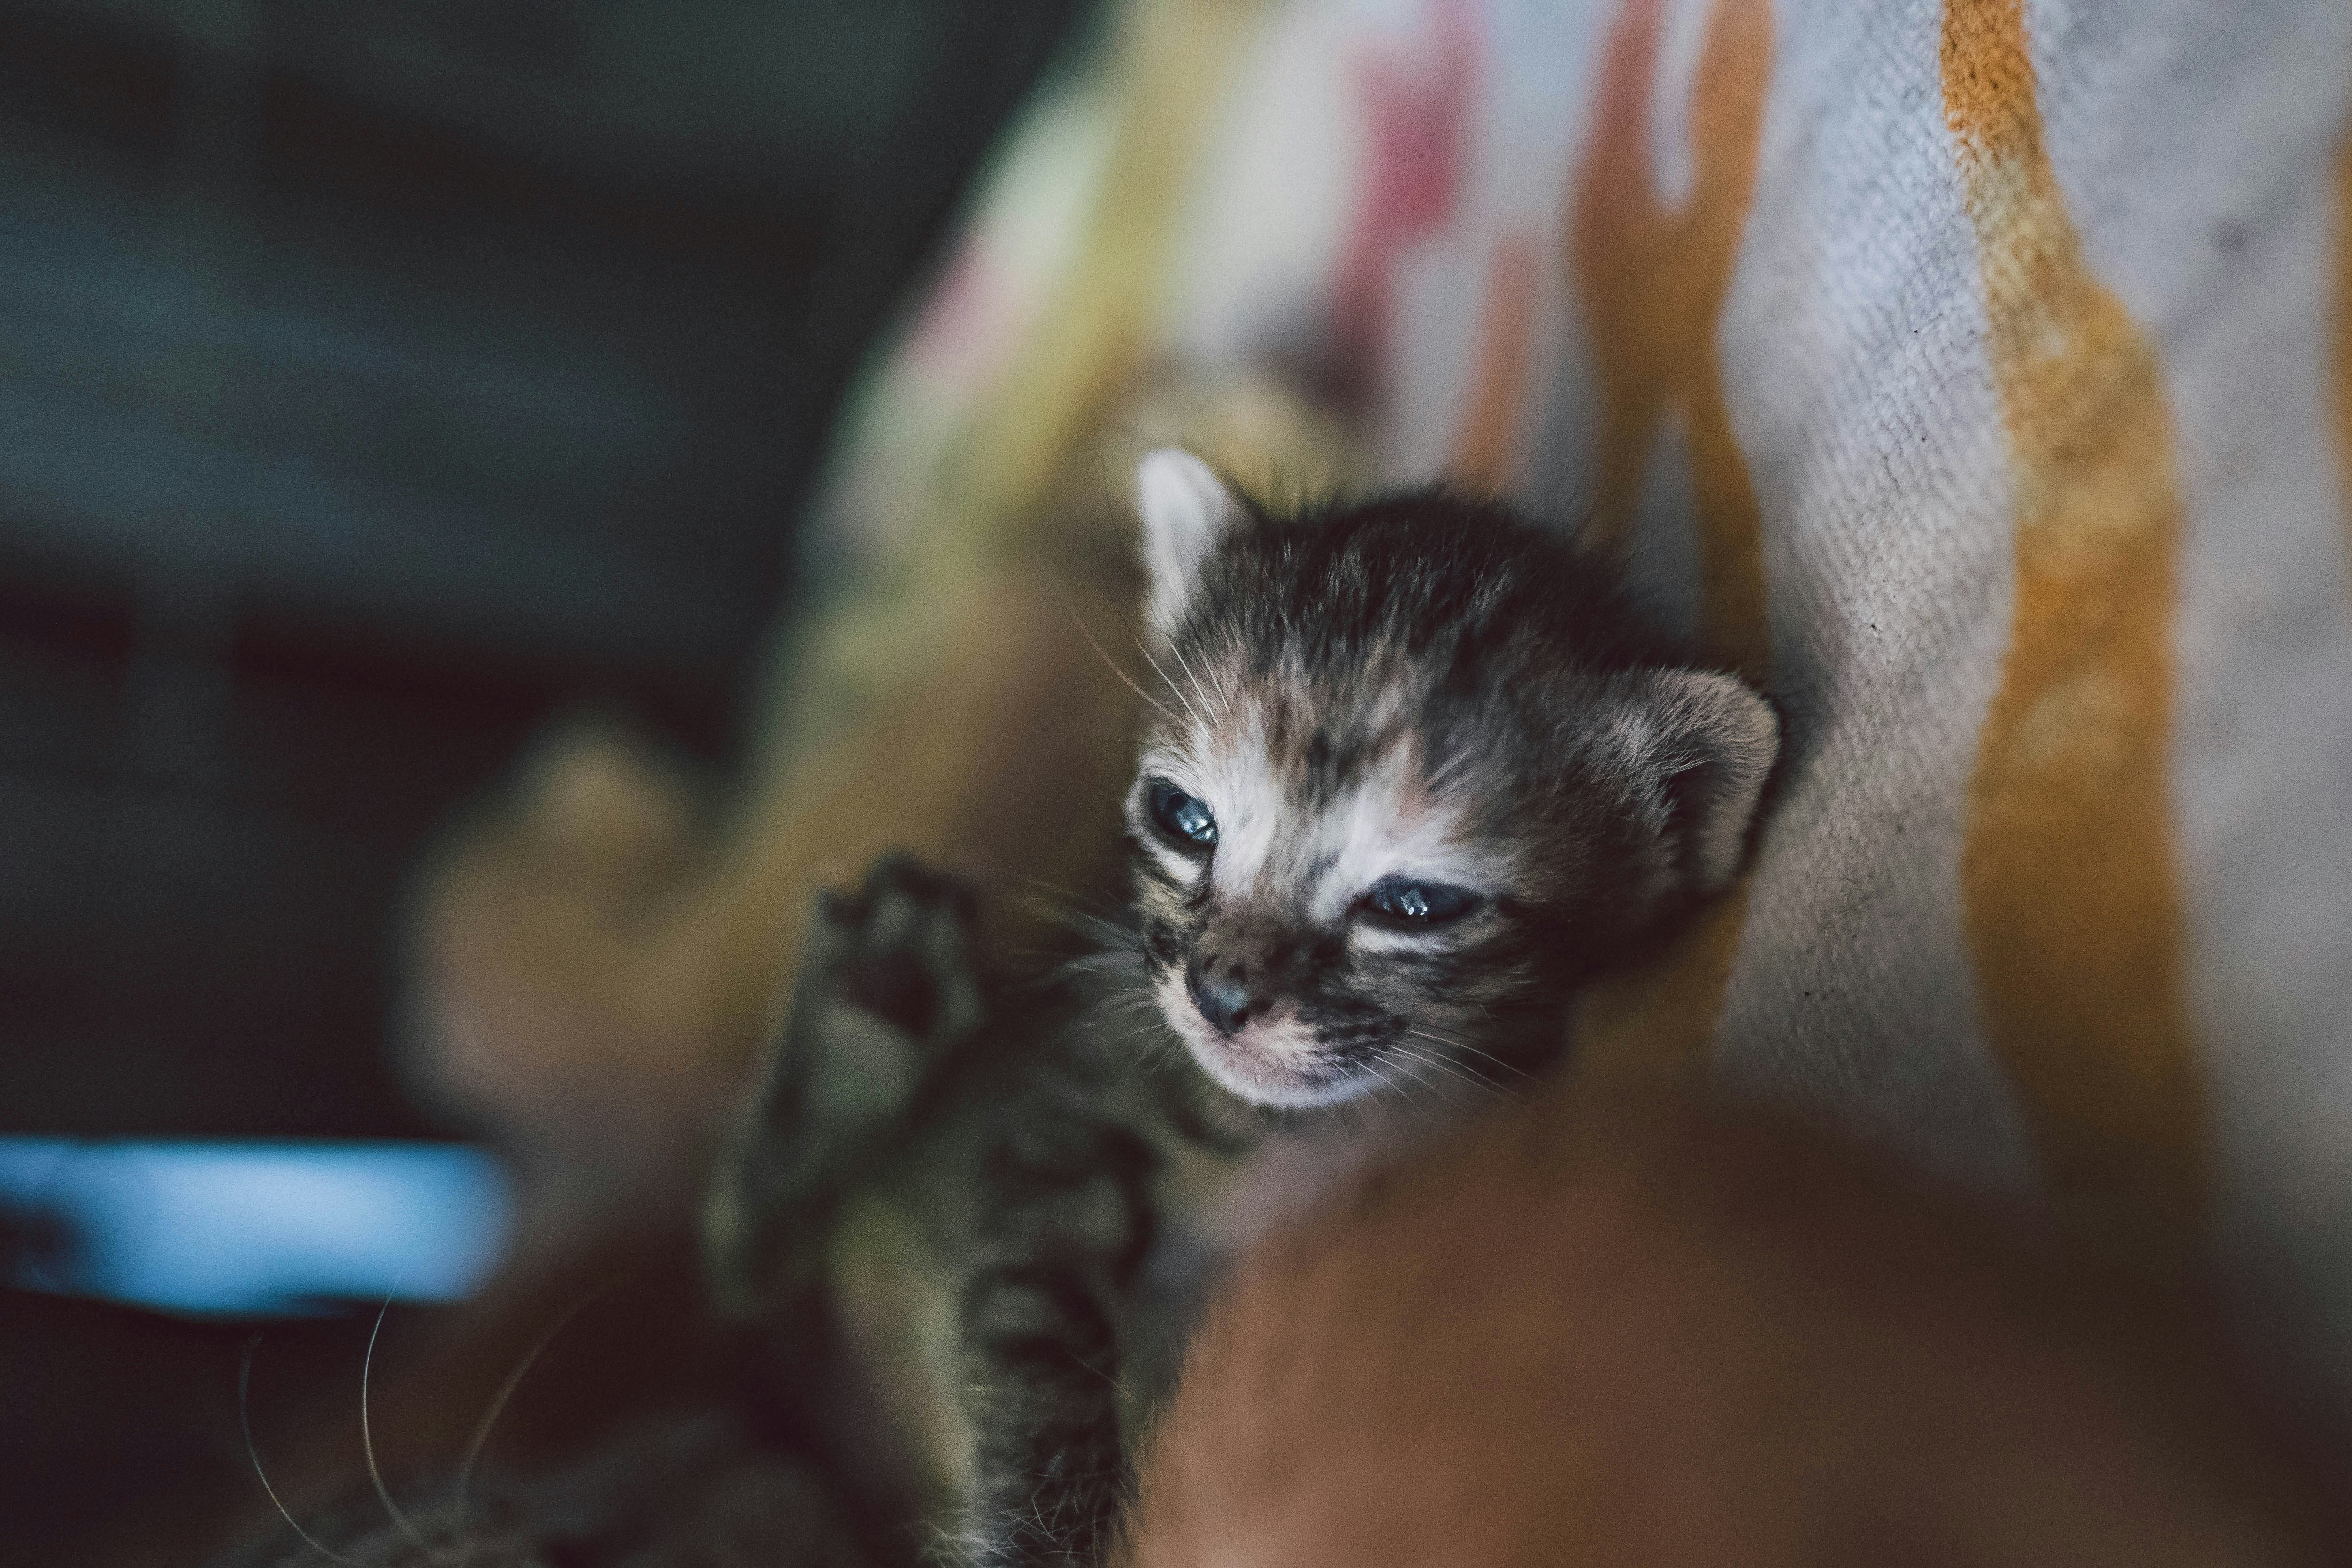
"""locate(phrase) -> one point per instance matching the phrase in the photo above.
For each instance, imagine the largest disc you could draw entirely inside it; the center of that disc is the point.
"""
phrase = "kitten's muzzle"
(1221, 991)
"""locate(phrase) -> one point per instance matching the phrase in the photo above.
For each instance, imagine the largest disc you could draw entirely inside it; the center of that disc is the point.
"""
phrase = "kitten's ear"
(1186, 509)
(1704, 742)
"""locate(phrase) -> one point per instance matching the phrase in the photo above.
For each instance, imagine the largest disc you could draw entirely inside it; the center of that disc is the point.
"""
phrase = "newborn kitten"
(1424, 771)
(1414, 771)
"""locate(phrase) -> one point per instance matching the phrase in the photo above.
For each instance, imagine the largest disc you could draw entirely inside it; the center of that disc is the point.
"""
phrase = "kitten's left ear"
(1186, 509)
(1705, 742)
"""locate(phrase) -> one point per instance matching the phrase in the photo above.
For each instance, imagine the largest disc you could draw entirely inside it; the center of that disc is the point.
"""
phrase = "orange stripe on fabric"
(2069, 897)
(1651, 281)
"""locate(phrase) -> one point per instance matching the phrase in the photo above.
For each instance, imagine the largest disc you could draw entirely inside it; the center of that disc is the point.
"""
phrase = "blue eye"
(1182, 818)
(1420, 903)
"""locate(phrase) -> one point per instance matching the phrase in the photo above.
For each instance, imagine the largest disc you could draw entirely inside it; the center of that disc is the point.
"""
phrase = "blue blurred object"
(250, 1229)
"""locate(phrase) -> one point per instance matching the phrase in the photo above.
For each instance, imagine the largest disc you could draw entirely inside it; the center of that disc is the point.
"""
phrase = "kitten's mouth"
(1272, 1061)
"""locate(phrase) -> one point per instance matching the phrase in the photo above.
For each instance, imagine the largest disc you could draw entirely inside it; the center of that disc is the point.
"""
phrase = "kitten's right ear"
(1186, 509)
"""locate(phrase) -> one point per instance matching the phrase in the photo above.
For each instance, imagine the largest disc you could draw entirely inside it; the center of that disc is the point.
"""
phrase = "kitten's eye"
(1181, 818)
(1421, 903)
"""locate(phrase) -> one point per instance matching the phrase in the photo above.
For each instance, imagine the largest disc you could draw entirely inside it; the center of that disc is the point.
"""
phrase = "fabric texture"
(1977, 376)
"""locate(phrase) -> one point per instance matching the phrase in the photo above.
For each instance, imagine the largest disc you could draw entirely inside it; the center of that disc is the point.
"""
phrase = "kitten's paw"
(885, 991)
(886, 987)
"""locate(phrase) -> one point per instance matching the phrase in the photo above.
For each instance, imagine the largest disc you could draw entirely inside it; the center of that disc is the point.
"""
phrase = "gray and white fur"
(1384, 702)
(1414, 771)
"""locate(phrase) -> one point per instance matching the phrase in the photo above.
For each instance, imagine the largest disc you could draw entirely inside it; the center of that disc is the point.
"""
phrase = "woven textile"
(1979, 375)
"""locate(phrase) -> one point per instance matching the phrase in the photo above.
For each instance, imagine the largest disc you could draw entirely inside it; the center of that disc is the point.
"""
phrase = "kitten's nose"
(1222, 993)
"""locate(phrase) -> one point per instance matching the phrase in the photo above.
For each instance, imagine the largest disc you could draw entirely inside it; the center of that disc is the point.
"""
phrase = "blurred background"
(378, 381)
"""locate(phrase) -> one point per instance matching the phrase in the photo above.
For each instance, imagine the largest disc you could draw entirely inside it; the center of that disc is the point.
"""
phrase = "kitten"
(1414, 770)
(1427, 772)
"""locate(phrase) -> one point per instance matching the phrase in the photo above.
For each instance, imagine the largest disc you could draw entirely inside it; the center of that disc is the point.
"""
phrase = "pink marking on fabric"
(1416, 110)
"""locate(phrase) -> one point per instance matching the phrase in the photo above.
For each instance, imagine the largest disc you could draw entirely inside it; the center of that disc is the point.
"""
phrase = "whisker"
(1101, 928)
(1403, 1086)
(1066, 906)
(506, 1391)
(252, 1452)
(1125, 977)
(1132, 1002)
(1456, 1071)
(1512, 1067)
(367, 1437)
(1107, 932)
(1451, 1043)
(1185, 665)
(1070, 895)
(1447, 1088)
(1166, 1053)
(1177, 690)
(1086, 632)
(1097, 961)
(1446, 1068)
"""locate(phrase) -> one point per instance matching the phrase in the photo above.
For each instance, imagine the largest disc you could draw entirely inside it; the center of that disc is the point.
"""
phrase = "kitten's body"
(1414, 772)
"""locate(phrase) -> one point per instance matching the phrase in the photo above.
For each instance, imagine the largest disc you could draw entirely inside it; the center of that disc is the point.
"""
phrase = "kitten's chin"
(1253, 1078)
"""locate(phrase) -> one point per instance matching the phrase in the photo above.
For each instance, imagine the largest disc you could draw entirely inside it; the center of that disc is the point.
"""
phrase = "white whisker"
(1440, 1065)
(367, 1436)
(1403, 1085)
(1474, 1050)
(1185, 665)
(1128, 680)
(1177, 690)
(506, 1391)
(252, 1452)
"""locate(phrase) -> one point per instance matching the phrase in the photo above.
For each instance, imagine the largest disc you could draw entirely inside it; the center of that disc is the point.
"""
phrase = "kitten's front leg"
(885, 992)
(1069, 1221)
(1041, 1355)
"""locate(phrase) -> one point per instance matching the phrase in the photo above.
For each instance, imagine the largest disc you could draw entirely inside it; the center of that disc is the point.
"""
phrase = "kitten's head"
(1417, 772)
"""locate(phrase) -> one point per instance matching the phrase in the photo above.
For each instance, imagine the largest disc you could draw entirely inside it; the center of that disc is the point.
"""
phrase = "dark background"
(377, 379)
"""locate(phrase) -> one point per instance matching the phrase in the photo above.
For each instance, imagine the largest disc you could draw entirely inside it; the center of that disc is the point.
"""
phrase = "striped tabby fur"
(1414, 771)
